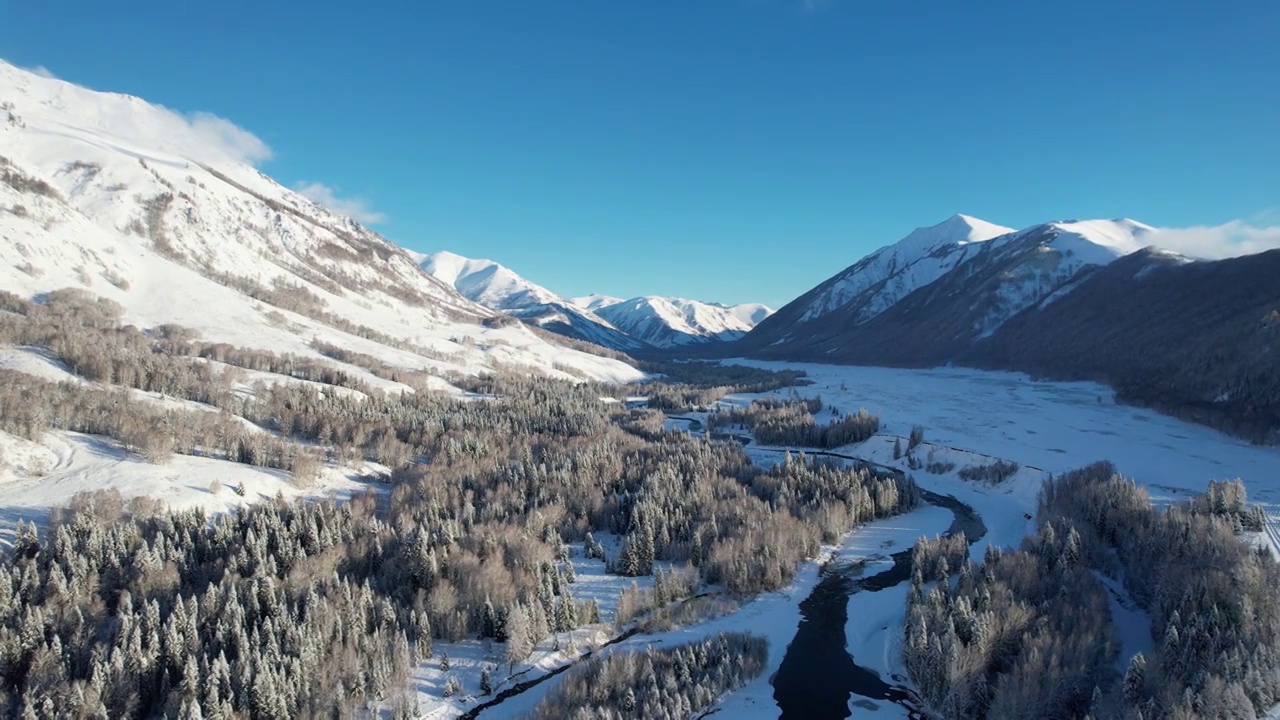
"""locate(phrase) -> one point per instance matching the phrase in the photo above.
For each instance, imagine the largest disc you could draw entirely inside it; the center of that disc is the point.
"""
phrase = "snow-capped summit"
(487, 282)
(165, 214)
(887, 275)
(500, 288)
(749, 314)
(956, 230)
(672, 322)
(636, 324)
(595, 301)
(1100, 241)
(987, 272)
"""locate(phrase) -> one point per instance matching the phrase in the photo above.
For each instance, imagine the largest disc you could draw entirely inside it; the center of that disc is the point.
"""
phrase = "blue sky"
(728, 150)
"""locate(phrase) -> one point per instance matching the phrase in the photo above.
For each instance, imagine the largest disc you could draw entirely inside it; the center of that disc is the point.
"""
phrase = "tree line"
(775, 421)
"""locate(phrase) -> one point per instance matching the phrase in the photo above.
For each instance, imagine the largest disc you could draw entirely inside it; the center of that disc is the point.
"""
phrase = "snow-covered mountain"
(1071, 300)
(636, 324)
(163, 213)
(595, 301)
(891, 273)
(499, 288)
(674, 322)
(988, 272)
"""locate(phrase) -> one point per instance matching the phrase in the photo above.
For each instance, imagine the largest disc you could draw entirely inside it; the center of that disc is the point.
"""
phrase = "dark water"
(817, 676)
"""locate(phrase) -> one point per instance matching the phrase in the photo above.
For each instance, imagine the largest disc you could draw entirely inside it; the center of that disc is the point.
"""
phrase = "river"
(817, 675)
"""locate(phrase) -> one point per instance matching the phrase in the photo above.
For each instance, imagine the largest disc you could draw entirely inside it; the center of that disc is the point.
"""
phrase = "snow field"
(36, 477)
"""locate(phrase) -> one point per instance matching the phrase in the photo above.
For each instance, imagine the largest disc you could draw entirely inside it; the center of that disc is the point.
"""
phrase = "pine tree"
(1135, 679)
(519, 633)
(489, 620)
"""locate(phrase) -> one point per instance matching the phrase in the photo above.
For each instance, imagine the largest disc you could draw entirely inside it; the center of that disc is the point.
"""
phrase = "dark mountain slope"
(936, 322)
(1198, 340)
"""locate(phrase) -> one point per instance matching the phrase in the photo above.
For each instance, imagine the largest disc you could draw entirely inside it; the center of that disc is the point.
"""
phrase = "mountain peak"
(668, 322)
(595, 301)
(955, 230)
(621, 324)
(1099, 242)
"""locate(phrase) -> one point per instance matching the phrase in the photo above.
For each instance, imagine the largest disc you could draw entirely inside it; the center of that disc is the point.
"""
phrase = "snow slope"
(1045, 260)
(499, 288)
(620, 324)
(161, 213)
(595, 301)
(486, 282)
(35, 477)
(892, 272)
(971, 273)
(672, 322)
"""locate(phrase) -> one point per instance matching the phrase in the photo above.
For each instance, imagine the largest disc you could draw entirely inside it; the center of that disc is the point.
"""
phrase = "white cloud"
(354, 208)
(228, 138)
(198, 135)
(1230, 239)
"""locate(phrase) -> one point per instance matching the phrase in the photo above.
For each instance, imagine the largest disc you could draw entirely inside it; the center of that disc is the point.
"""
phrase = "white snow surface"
(671, 322)
(1046, 269)
(911, 263)
(595, 301)
(38, 476)
(500, 288)
(1043, 262)
(133, 202)
(1053, 426)
(644, 321)
(486, 281)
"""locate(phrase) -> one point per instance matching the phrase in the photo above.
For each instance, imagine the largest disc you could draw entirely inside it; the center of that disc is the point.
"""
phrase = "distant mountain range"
(135, 203)
(638, 324)
(1070, 300)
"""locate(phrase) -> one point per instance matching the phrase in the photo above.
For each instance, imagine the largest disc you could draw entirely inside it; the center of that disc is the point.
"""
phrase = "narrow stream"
(818, 676)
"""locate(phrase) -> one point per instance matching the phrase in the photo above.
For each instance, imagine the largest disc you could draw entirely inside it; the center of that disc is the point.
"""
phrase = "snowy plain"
(1046, 427)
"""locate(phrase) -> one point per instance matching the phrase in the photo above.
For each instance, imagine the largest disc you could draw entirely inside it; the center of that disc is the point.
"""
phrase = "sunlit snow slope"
(674, 322)
(628, 325)
(162, 213)
(994, 272)
(499, 288)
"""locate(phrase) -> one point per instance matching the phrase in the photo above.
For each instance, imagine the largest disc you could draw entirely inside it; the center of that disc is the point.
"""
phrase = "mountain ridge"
(640, 324)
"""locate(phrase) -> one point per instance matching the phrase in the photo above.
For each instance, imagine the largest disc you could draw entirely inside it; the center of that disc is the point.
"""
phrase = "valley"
(259, 461)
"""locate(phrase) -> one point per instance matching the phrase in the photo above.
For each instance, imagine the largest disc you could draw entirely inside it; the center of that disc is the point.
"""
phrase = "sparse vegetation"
(23, 183)
(793, 422)
(994, 472)
(689, 385)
